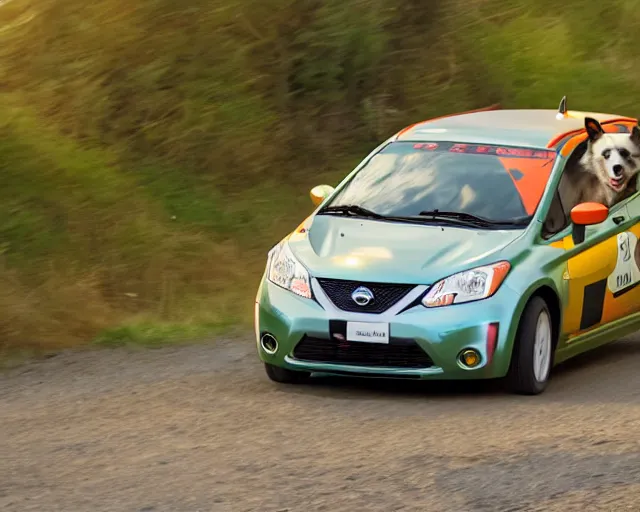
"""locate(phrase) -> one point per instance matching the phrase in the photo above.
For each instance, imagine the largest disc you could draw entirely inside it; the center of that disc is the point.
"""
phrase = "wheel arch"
(547, 290)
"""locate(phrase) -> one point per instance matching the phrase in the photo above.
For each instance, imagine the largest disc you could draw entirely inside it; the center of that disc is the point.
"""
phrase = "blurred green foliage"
(152, 151)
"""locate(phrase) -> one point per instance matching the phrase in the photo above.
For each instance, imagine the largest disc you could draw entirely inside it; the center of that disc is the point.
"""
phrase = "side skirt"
(604, 334)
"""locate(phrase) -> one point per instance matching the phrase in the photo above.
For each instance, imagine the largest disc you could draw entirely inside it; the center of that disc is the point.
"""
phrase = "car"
(447, 254)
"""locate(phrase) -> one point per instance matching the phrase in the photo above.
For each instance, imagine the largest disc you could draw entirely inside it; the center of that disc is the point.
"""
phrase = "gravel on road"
(201, 428)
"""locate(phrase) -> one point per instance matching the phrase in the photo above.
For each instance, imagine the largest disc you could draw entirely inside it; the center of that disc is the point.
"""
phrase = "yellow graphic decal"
(593, 265)
(615, 263)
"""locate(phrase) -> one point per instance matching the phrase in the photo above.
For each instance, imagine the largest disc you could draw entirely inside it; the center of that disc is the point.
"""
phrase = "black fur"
(635, 135)
(594, 128)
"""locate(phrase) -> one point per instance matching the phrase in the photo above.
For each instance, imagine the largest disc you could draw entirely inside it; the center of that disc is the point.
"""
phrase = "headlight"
(475, 284)
(286, 271)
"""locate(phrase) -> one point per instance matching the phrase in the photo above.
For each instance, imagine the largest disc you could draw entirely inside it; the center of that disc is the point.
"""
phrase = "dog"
(608, 169)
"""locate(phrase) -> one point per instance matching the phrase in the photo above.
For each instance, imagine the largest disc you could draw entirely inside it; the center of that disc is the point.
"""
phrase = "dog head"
(613, 157)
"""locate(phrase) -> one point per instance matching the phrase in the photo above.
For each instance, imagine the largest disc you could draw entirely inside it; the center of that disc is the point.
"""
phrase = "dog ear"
(635, 135)
(594, 130)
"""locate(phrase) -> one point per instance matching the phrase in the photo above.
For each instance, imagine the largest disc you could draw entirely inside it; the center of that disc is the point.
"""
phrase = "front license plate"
(365, 332)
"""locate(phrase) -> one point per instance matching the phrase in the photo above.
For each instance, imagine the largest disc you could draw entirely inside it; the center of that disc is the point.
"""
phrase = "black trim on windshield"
(427, 217)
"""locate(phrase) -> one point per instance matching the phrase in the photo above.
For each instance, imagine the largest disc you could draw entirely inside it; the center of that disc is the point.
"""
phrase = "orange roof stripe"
(605, 124)
(537, 128)
(574, 141)
(495, 106)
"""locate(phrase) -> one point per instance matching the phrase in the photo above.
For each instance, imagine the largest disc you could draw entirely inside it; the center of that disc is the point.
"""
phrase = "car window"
(566, 188)
(494, 182)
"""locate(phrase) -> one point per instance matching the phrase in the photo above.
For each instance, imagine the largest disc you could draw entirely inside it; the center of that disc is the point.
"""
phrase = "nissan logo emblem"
(362, 296)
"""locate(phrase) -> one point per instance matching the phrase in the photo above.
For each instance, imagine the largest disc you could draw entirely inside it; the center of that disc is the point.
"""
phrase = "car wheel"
(532, 357)
(284, 376)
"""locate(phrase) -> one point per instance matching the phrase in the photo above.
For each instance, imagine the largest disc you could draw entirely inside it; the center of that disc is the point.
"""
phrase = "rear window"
(495, 182)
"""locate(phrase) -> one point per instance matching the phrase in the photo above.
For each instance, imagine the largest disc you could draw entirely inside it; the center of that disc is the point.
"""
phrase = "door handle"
(618, 220)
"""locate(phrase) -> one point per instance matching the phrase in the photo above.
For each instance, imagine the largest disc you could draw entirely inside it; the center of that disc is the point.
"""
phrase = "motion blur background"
(152, 151)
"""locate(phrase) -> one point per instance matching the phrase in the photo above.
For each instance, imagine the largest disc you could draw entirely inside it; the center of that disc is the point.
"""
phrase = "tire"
(284, 376)
(533, 350)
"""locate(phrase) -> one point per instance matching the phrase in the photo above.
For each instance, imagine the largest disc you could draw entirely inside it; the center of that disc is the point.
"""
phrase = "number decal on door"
(624, 280)
(626, 275)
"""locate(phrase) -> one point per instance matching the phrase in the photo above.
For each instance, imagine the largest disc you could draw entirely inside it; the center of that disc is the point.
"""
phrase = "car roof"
(534, 128)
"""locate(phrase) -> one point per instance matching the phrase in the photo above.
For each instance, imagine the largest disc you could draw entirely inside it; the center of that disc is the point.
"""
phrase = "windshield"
(406, 179)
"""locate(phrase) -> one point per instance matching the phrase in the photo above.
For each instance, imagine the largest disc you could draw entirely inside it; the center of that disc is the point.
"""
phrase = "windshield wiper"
(350, 209)
(469, 218)
(459, 218)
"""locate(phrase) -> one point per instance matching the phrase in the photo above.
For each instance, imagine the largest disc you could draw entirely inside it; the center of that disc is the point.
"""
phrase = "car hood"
(375, 251)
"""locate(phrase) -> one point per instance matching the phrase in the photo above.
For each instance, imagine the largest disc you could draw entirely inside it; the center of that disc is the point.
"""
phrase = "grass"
(155, 334)
(152, 152)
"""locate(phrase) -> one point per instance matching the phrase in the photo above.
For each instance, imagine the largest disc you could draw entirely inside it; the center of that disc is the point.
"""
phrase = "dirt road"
(200, 428)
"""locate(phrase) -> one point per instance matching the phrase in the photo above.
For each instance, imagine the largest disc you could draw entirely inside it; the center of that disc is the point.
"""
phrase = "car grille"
(399, 353)
(385, 295)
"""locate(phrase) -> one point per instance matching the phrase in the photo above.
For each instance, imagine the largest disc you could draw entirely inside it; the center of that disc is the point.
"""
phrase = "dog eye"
(606, 153)
(624, 153)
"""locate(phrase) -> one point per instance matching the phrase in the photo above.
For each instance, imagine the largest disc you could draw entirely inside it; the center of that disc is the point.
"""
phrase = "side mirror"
(320, 193)
(586, 214)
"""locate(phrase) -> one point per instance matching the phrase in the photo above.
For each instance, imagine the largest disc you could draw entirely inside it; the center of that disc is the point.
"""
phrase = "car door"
(624, 282)
(593, 271)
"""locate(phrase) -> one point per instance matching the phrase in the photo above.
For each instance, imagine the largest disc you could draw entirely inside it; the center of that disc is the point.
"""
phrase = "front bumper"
(440, 332)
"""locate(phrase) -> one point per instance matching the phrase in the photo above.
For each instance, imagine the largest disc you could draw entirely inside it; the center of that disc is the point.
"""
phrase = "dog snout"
(618, 170)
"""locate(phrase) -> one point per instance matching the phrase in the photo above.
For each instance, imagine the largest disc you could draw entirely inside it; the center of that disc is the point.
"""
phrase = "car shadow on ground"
(615, 363)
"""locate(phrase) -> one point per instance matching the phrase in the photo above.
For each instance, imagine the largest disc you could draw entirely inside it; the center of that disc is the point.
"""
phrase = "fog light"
(269, 344)
(470, 358)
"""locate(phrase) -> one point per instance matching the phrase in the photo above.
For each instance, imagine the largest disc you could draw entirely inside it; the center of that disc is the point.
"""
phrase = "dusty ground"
(201, 428)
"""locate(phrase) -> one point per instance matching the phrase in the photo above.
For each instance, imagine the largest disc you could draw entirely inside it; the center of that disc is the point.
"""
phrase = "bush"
(151, 152)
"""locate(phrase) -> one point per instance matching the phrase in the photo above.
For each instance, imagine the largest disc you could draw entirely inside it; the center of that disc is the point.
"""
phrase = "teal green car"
(447, 254)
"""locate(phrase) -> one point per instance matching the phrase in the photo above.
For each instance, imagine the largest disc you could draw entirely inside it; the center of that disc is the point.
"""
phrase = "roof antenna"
(562, 109)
